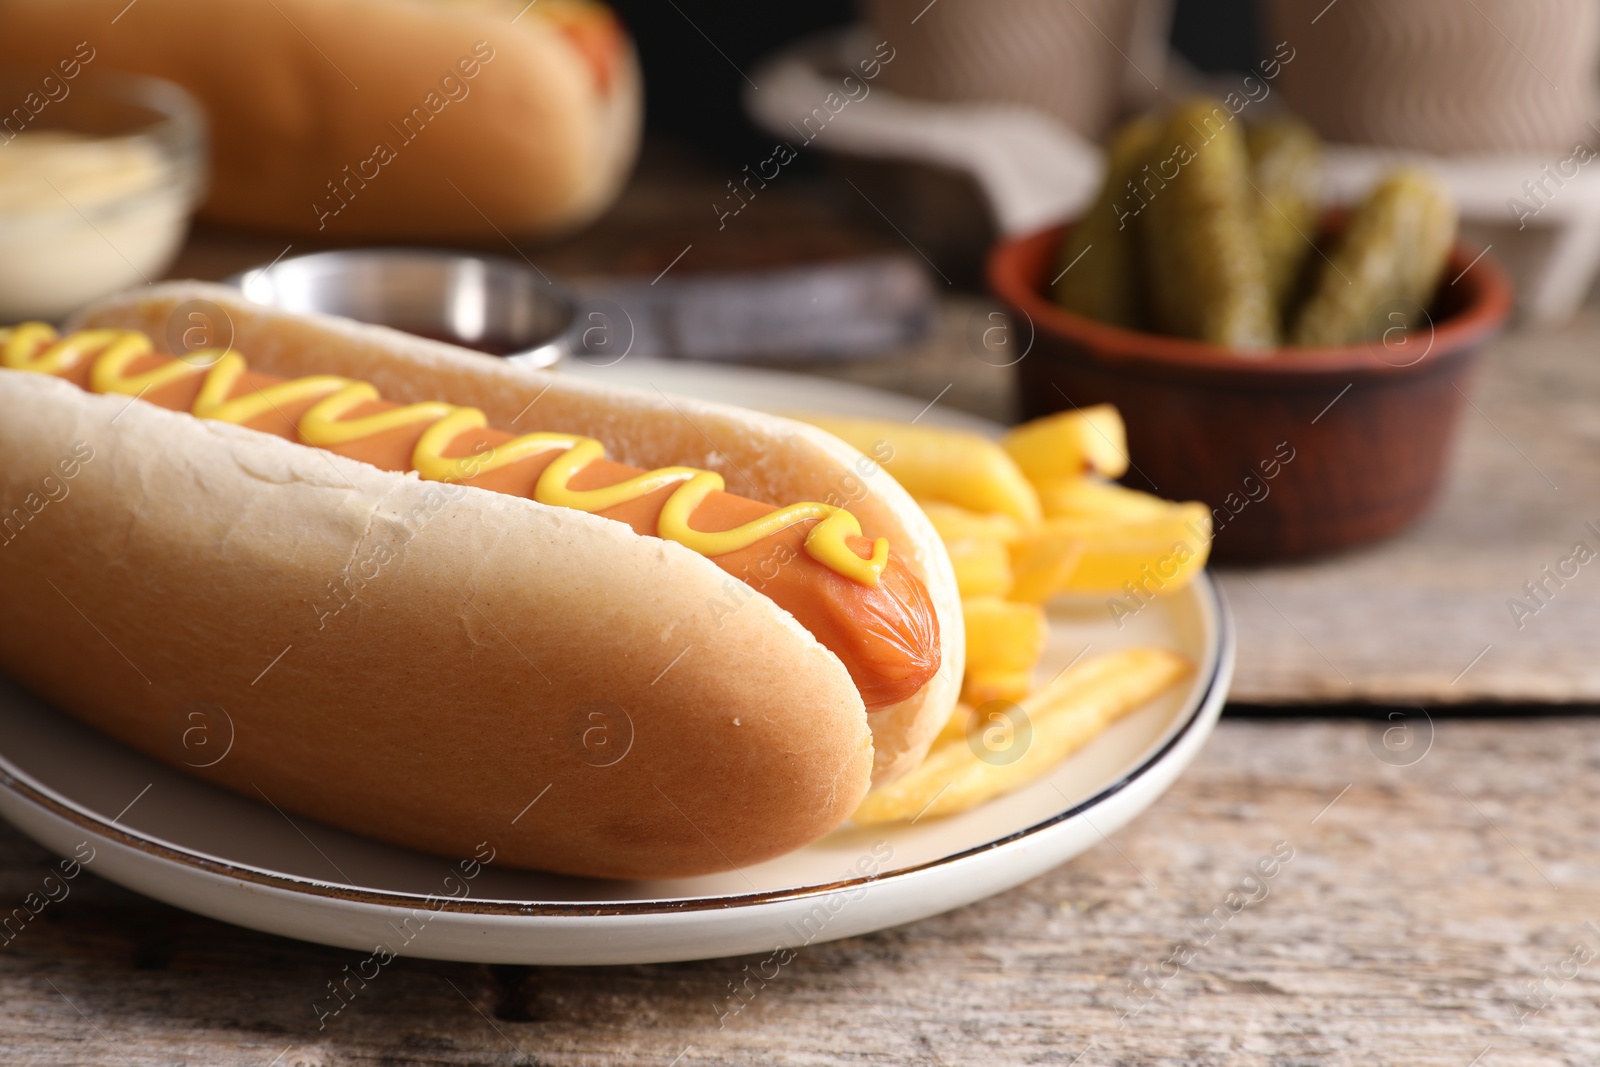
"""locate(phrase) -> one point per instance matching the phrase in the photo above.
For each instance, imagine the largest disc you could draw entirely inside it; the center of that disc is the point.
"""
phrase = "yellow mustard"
(38, 348)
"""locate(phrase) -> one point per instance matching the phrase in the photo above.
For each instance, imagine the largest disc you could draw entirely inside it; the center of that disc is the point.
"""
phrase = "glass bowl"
(99, 174)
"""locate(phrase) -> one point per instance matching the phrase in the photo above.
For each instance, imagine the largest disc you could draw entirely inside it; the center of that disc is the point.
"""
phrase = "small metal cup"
(494, 305)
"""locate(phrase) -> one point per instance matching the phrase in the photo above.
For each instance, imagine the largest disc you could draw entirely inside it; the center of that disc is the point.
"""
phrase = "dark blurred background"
(694, 91)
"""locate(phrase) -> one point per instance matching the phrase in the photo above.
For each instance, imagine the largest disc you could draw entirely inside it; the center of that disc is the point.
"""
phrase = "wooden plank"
(1411, 910)
(1429, 616)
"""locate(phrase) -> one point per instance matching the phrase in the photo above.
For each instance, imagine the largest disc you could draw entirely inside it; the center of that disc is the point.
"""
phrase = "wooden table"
(1435, 894)
(1419, 905)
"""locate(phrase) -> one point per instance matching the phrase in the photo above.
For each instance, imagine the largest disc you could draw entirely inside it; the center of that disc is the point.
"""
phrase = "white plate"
(199, 847)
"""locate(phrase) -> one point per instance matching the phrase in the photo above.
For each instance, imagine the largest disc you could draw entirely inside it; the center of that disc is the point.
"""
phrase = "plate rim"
(18, 782)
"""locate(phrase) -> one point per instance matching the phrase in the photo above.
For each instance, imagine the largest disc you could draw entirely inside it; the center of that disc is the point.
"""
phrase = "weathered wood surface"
(1410, 619)
(1420, 911)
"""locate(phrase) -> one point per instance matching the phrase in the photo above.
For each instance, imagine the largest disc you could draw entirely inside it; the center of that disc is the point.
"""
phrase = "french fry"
(1047, 726)
(949, 465)
(956, 523)
(1071, 443)
(983, 568)
(955, 727)
(1042, 567)
(981, 686)
(1004, 641)
(1158, 556)
(1003, 636)
(1155, 568)
(1086, 497)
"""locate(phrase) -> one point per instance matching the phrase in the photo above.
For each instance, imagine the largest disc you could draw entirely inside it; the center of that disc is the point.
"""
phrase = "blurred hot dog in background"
(420, 119)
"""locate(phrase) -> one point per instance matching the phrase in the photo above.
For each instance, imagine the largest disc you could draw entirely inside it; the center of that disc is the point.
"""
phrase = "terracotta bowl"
(1306, 451)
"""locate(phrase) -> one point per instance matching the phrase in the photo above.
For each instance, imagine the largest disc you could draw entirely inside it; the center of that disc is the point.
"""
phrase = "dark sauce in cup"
(492, 346)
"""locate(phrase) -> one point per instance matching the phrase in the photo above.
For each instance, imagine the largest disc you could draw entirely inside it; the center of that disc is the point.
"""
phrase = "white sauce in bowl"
(81, 217)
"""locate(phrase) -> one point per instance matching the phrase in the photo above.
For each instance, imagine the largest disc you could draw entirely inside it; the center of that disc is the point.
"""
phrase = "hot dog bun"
(464, 675)
(536, 126)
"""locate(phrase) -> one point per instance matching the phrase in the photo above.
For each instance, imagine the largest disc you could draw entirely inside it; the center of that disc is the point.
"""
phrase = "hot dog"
(730, 643)
(848, 591)
(368, 118)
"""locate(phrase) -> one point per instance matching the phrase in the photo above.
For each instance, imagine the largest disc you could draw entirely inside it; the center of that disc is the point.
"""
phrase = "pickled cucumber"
(1206, 272)
(1286, 171)
(1098, 273)
(1385, 267)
